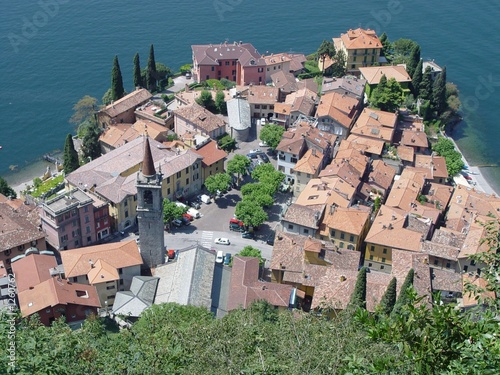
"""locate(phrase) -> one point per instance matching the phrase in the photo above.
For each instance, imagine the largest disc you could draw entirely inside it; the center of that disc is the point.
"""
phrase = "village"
(361, 188)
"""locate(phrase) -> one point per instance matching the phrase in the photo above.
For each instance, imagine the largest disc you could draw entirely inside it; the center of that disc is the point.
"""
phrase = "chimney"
(91, 263)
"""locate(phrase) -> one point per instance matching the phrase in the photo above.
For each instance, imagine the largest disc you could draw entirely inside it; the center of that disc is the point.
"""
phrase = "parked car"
(185, 221)
(177, 223)
(227, 259)
(206, 199)
(255, 151)
(222, 241)
(195, 205)
(220, 257)
(262, 144)
(270, 241)
(264, 158)
(252, 155)
(247, 235)
(194, 213)
(188, 216)
(188, 75)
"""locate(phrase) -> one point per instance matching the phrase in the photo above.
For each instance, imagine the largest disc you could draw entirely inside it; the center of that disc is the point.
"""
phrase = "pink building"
(237, 62)
(74, 220)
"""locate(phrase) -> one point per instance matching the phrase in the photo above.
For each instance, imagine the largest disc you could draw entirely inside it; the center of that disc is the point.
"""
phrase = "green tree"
(416, 79)
(388, 95)
(401, 50)
(219, 181)
(151, 70)
(271, 134)
(439, 93)
(257, 188)
(389, 298)
(445, 147)
(84, 110)
(425, 89)
(404, 294)
(70, 161)
(220, 103)
(238, 165)
(358, 297)
(172, 211)
(386, 46)
(250, 213)
(137, 71)
(227, 143)
(117, 90)
(267, 175)
(186, 68)
(91, 148)
(107, 97)
(249, 251)
(6, 190)
(326, 49)
(376, 204)
(413, 60)
(206, 100)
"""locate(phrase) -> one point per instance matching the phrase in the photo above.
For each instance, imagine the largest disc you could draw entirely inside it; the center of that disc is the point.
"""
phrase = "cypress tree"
(403, 297)
(413, 60)
(91, 147)
(358, 297)
(70, 162)
(151, 70)
(117, 90)
(386, 45)
(425, 88)
(416, 79)
(137, 71)
(439, 92)
(6, 190)
(389, 299)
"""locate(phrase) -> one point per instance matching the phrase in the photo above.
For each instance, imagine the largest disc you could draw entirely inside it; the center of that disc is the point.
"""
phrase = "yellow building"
(361, 48)
(345, 227)
(213, 159)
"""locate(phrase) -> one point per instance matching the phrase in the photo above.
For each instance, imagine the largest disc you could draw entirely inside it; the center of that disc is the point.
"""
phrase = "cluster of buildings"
(367, 191)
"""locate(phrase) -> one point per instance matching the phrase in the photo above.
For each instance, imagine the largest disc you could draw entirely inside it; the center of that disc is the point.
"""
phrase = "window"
(178, 175)
(264, 106)
(148, 197)
(466, 268)
(298, 173)
(168, 191)
(168, 180)
(293, 160)
(257, 106)
(74, 223)
(20, 247)
(351, 238)
(120, 271)
(352, 66)
(187, 181)
(332, 233)
(121, 281)
(370, 264)
(306, 231)
(436, 262)
(384, 251)
(342, 235)
(472, 262)
(290, 226)
(382, 267)
(86, 209)
(260, 70)
(341, 245)
(233, 72)
(126, 213)
(372, 248)
(208, 77)
(110, 287)
(77, 243)
(354, 59)
(383, 260)
(74, 279)
(87, 220)
(87, 229)
(8, 251)
(213, 69)
(187, 170)
(448, 265)
(371, 257)
(227, 63)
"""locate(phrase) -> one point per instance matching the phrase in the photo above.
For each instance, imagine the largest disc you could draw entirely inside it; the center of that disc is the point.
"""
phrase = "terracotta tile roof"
(349, 220)
(473, 243)
(354, 157)
(403, 261)
(310, 163)
(414, 139)
(114, 174)
(282, 108)
(375, 124)
(260, 94)
(372, 74)
(285, 81)
(132, 100)
(437, 164)
(211, 54)
(468, 298)
(327, 190)
(440, 250)
(343, 170)
(115, 254)
(102, 272)
(381, 174)
(298, 60)
(403, 194)
(347, 85)
(19, 223)
(440, 193)
(446, 280)
(211, 153)
(275, 58)
(390, 228)
(307, 216)
(201, 117)
(117, 135)
(426, 210)
(295, 139)
(341, 108)
(416, 175)
(406, 153)
(288, 253)
(364, 144)
(361, 38)
(245, 287)
(53, 292)
(32, 270)
(302, 101)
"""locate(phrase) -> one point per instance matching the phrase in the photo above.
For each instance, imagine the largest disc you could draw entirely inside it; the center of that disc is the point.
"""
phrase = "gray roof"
(63, 203)
(140, 296)
(238, 110)
(211, 54)
(188, 279)
(347, 85)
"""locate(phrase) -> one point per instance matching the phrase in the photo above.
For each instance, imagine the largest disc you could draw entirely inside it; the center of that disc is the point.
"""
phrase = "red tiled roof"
(211, 153)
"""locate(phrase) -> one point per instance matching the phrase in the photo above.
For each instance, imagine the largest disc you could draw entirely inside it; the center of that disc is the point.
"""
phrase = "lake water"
(53, 52)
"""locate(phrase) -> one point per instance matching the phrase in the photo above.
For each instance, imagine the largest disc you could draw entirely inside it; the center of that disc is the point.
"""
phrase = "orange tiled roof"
(436, 163)
(406, 153)
(349, 220)
(32, 270)
(375, 124)
(372, 74)
(211, 153)
(361, 38)
(354, 157)
(309, 163)
(364, 144)
(339, 107)
(132, 100)
(414, 139)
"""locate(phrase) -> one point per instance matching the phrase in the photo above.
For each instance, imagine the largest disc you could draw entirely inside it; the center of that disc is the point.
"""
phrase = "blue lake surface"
(53, 52)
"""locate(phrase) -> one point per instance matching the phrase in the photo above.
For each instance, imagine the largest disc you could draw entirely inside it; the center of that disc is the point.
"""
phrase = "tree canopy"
(271, 134)
(137, 77)
(91, 148)
(220, 103)
(206, 100)
(416, 79)
(413, 60)
(70, 156)
(117, 90)
(172, 211)
(6, 190)
(151, 70)
(425, 90)
(445, 147)
(388, 95)
(84, 110)
(326, 49)
(439, 93)
(238, 165)
(249, 251)
(219, 181)
(358, 297)
(227, 143)
(250, 213)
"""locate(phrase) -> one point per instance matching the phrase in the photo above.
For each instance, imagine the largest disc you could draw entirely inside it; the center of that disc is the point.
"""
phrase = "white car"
(255, 151)
(220, 257)
(222, 241)
(262, 144)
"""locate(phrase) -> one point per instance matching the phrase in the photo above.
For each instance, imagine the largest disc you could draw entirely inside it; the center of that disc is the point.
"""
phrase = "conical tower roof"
(148, 167)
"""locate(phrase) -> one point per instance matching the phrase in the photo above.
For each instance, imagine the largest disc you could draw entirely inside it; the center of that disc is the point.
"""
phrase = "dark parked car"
(227, 259)
(270, 241)
(252, 155)
(264, 158)
(247, 235)
(195, 205)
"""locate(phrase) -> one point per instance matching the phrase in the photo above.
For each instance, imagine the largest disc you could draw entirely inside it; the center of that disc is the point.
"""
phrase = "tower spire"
(148, 167)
